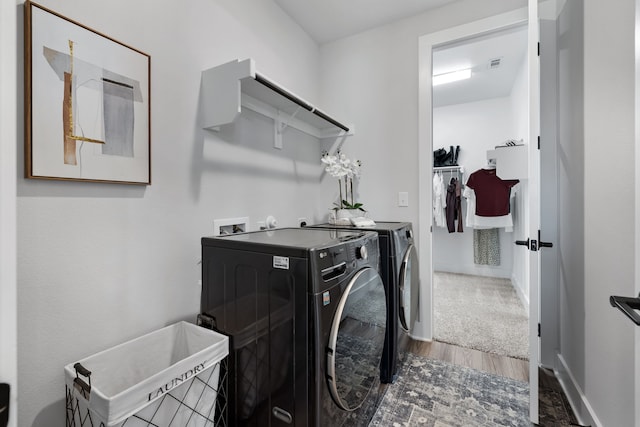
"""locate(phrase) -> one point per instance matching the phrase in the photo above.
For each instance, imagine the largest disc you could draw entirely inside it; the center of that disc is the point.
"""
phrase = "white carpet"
(483, 313)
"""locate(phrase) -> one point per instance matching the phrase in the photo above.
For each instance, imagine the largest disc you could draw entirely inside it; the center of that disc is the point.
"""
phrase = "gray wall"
(99, 264)
(373, 78)
(8, 167)
(596, 239)
(609, 251)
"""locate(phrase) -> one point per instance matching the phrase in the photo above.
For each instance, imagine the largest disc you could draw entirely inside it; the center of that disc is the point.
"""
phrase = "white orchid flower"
(339, 166)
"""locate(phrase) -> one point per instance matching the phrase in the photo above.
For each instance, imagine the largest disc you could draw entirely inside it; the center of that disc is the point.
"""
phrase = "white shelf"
(228, 88)
(512, 162)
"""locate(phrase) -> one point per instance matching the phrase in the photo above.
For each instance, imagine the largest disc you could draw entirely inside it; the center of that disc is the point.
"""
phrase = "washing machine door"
(409, 287)
(356, 340)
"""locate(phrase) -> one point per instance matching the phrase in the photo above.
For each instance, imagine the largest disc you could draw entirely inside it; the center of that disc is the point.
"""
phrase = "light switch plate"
(403, 199)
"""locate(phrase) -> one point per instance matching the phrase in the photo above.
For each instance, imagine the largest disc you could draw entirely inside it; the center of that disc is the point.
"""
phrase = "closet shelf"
(228, 88)
(449, 168)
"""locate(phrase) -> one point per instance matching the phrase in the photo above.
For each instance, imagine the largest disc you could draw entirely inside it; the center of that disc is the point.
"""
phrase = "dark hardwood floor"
(510, 367)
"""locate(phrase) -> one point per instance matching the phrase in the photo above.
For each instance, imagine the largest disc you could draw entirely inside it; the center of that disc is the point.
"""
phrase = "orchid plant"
(339, 166)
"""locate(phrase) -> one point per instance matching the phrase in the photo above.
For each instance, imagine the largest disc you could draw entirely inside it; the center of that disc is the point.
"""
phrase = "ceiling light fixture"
(453, 76)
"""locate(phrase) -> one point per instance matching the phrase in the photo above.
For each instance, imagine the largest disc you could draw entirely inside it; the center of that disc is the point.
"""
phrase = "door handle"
(542, 244)
(523, 243)
(628, 306)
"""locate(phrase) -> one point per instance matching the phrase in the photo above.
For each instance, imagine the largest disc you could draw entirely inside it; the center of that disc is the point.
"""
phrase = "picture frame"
(87, 103)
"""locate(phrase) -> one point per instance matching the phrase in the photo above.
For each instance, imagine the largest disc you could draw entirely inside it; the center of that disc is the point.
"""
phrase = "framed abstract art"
(87, 103)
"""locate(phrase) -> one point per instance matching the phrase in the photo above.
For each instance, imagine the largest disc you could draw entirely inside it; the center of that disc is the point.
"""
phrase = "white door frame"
(8, 171)
(423, 329)
(533, 266)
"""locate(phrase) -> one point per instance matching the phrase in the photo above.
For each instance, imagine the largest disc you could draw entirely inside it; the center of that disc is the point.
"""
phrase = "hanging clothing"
(483, 222)
(489, 199)
(459, 204)
(486, 247)
(454, 206)
(492, 194)
(439, 201)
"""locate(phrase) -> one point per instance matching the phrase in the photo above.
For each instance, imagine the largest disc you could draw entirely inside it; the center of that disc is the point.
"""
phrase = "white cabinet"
(228, 88)
(512, 162)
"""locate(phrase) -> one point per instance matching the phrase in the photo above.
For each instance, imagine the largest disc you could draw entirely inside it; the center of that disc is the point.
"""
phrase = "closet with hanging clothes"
(489, 209)
(475, 263)
(447, 197)
(474, 214)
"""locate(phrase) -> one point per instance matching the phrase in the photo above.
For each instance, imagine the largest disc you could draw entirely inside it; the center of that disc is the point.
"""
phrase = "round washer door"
(409, 288)
(356, 340)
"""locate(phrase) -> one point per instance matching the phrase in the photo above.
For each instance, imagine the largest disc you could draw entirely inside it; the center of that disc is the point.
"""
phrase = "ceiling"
(329, 20)
(508, 46)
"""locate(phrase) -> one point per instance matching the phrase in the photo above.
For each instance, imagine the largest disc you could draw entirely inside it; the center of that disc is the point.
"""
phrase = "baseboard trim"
(417, 338)
(473, 270)
(578, 401)
(521, 295)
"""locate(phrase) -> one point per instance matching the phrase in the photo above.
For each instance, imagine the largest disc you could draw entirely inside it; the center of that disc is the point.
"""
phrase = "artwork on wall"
(87, 103)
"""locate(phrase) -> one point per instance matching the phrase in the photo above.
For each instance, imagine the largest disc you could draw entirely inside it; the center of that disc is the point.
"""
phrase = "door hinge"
(538, 142)
(538, 329)
(538, 48)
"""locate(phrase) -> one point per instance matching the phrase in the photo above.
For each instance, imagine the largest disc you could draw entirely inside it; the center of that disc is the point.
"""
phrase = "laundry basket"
(174, 376)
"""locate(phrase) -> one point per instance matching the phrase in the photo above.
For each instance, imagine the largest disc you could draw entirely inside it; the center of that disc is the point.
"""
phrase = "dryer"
(305, 310)
(401, 277)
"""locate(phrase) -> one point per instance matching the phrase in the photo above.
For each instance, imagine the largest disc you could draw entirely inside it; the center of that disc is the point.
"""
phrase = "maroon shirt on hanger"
(492, 193)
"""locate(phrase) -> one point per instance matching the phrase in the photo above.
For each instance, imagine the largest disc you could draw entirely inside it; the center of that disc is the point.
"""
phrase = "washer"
(305, 310)
(400, 274)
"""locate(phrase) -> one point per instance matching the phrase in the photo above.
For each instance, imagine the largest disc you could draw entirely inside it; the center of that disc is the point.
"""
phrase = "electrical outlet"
(230, 226)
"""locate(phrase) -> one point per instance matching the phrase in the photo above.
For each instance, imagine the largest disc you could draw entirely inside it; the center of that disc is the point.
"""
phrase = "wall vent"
(494, 63)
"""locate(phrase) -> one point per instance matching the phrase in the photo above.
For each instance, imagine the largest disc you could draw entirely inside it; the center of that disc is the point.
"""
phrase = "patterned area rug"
(433, 393)
(555, 409)
(483, 313)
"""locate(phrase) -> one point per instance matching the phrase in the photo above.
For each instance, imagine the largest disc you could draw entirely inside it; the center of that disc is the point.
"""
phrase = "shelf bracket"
(279, 126)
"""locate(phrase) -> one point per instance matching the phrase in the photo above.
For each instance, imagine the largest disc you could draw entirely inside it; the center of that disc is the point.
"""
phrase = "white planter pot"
(342, 216)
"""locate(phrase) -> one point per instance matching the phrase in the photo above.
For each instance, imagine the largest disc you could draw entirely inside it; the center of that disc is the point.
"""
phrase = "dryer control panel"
(331, 263)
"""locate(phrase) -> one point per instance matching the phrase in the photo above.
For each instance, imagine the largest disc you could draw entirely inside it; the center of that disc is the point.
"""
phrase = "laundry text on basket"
(176, 381)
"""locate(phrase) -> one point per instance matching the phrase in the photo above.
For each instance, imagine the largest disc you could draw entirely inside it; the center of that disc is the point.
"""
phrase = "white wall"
(596, 242)
(477, 127)
(609, 252)
(8, 166)
(372, 77)
(99, 264)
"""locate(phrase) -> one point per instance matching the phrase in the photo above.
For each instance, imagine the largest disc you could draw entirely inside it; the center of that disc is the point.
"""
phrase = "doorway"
(479, 278)
(427, 43)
